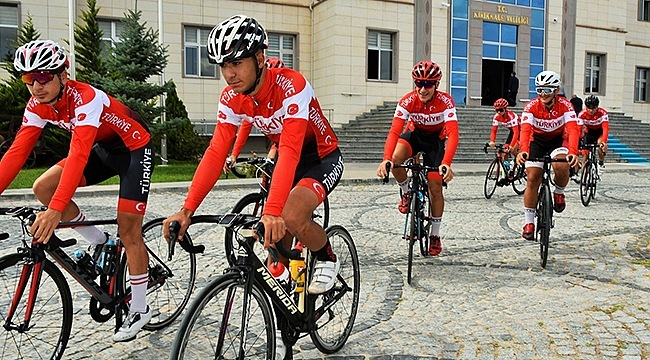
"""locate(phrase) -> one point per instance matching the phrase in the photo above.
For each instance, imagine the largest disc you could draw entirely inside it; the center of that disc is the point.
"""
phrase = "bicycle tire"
(46, 337)
(425, 219)
(586, 179)
(331, 332)
(202, 326)
(594, 180)
(544, 222)
(491, 178)
(413, 234)
(520, 180)
(250, 204)
(31, 158)
(174, 280)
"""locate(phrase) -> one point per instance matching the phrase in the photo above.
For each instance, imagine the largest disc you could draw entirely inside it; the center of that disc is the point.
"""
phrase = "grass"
(173, 172)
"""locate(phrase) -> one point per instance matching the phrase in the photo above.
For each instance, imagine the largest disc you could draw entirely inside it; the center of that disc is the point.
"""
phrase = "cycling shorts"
(430, 145)
(510, 136)
(539, 148)
(133, 167)
(592, 136)
(320, 175)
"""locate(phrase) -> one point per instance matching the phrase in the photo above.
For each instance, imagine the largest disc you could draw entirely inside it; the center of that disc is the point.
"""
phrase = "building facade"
(359, 54)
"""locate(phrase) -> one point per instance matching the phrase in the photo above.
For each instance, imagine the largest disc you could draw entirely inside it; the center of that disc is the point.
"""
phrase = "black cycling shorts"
(430, 144)
(326, 172)
(592, 136)
(539, 148)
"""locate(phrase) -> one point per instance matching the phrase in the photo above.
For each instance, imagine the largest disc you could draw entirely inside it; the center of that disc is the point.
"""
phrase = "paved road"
(484, 297)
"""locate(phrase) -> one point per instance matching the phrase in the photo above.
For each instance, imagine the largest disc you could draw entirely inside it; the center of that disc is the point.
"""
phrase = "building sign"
(501, 16)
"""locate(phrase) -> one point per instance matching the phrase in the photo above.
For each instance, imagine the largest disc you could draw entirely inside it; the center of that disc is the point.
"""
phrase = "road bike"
(232, 317)
(500, 175)
(36, 306)
(253, 203)
(544, 208)
(417, 225)
(589, 176)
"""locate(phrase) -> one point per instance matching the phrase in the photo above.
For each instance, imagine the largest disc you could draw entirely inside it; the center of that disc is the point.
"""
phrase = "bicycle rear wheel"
(544, 222)
(334, 321)
(212, 327)
(51, 321)
(586, 180)
(170, 282)
(491, 178)
(520, 180)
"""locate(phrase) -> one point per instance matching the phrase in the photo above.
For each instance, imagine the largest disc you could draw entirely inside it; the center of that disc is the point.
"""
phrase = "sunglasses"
(43, 77)
(500, 110)
(425, 84)
(544, 90)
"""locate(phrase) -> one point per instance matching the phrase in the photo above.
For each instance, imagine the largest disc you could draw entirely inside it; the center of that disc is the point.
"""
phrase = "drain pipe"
(311, 50)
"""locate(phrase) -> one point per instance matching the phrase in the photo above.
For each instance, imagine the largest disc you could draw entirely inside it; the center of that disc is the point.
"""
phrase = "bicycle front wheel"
(334, 318)
(250, 204)
(425, 219)
(413, 234)
(520, 180)
(586, 180)
(46, 336)
(491, 178)
(544, 222)
(170, 282)
(212, 327)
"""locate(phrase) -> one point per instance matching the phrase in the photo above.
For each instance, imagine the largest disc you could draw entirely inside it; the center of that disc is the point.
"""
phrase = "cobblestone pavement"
(484, 297)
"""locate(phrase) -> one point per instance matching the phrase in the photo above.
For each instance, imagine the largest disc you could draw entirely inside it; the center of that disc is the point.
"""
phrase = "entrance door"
(494, 82)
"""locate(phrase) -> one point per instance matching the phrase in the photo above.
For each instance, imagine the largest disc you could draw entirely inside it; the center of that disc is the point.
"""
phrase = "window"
(595, 74)
(111, 30)
(380, 55)
(284, 47)
(196, 53)
(641, 85)
(8, 29)
(644, 10)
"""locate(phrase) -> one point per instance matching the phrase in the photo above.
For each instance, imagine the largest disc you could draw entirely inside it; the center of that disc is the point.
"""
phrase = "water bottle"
(506, 164)
(109, 253)
(281, 274)
(85, 262)
(298, 270)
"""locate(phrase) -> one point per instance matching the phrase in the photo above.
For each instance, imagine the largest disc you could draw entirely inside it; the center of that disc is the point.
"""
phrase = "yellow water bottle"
(298, 270)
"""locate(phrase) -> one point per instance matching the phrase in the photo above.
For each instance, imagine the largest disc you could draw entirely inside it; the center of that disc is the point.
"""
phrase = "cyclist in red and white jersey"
(283, 106)
(596, 128)
(433, 129)
(108, 139)
(510, 120)
(246, 127)
(548, 126)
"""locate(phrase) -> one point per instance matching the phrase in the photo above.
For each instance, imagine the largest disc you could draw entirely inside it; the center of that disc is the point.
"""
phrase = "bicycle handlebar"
(174, 228)
(498, 147)
(292, 254)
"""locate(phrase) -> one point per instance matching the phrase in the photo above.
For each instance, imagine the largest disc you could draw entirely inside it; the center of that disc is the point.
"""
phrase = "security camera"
(445, 4)
(555, 20)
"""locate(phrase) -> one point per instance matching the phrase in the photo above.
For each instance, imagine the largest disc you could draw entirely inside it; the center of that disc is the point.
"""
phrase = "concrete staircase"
(362, 140)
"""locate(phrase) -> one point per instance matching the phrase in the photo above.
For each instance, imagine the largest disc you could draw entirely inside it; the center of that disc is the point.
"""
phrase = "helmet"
(548, 78)
(40, 55)
(501, 104)
(274, 62)
(592, 101)
(236, 38)
(426, 70)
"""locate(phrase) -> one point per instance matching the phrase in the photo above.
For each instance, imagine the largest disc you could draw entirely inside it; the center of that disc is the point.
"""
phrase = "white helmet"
(40, 55)
(236, 38)
(548, 78)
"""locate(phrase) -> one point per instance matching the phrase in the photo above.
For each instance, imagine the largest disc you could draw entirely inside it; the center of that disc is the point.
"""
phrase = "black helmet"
(592, 101)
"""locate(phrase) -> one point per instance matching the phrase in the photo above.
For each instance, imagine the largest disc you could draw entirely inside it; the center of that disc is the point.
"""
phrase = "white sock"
(139, 293)
(529, 215)
(90, 233)
(558, 190)
(404, 186)
(435, 226)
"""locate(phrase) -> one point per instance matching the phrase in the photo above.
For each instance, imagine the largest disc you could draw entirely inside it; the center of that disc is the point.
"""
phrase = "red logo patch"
(451, 115)
(292, 109)
(221, 115)
(24, 119)
(81, 117)
(399, 113)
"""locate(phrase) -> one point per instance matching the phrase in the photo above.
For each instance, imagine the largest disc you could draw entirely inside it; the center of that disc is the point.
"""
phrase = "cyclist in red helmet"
(432, 128)
(595, 122)
(510, 120)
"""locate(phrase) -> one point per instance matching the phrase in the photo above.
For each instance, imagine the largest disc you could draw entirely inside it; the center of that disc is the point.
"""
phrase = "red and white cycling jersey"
(543, 124)
(437, 118)
(287, 112)
(510, 121)
(92, 116)
(599, 120)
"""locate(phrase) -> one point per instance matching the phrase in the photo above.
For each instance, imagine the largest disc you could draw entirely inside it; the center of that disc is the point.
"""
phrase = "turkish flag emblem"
(292, 109)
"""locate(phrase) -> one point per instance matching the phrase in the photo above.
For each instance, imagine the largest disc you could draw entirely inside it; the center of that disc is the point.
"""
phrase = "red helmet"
(500, 104)
(274, 62)
(426, 70)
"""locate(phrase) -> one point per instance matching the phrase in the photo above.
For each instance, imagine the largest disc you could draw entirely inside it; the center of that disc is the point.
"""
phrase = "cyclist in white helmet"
(543, 124)
(281, 103)
(108, 139)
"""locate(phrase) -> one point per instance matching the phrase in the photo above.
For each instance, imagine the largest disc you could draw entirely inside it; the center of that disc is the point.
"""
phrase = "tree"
(88, 38)
(135, 60)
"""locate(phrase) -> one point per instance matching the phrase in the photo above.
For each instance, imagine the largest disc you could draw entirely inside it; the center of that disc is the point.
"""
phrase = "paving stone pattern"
(484, 297)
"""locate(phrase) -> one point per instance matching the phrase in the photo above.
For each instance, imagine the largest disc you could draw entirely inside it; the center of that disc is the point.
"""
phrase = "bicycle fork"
(34, 270)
